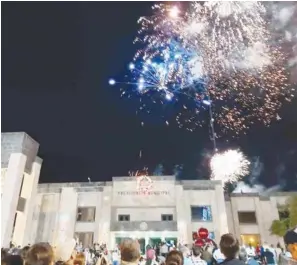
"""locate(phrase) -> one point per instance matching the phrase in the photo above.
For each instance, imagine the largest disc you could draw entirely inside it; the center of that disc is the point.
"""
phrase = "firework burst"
(229, 166)
(216, 52)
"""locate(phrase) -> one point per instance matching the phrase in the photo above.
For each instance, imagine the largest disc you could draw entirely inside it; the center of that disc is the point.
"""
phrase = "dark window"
(167, 217)
(283, 215)
(21, 204)
(86, 238)
(247, 217)
(124, 217)
(201, 213)
(86, 214)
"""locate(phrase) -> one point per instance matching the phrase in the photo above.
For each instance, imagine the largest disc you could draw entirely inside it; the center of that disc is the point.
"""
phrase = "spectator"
(24, 253)
(196, 257)
(40, 254)
(79, 259)
(13, 260)
(174, 258)
(229, 246)
(130, 251)
(206, 255)
(269, 257)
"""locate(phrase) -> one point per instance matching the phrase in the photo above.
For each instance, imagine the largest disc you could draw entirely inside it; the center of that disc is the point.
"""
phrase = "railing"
(283, 260)
(144, 226)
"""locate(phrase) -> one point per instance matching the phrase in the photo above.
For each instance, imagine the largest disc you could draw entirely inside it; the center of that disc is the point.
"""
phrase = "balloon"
(199, 242)
(203, 233)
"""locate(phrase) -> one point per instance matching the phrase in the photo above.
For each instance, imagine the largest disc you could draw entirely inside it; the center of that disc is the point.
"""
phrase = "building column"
(10, 195)
(24, 220)
(67, 215)
(104, 223)
(221, 210)
(183, 217)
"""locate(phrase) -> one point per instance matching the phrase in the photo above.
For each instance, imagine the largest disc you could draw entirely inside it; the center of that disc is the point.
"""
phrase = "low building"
(147, 208)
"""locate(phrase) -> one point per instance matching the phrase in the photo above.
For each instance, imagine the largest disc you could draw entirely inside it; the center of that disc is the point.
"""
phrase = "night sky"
(57, 58)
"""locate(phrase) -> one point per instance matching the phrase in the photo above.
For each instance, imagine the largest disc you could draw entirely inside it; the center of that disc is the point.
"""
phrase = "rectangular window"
(247, 217)
(86, 238)
(201, 213)
(124, 217)
(167, 217)
(86, 214)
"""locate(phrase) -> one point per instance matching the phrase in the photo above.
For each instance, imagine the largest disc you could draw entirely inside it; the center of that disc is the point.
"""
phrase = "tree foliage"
(280, 227)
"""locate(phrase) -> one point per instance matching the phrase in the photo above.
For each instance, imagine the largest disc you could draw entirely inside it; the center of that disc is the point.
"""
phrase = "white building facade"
(108, 212)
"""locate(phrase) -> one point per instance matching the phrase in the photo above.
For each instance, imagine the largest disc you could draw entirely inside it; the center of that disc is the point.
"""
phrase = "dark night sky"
(57, 58)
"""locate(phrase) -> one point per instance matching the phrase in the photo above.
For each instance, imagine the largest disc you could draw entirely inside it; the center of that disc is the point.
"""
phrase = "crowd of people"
(229, 252)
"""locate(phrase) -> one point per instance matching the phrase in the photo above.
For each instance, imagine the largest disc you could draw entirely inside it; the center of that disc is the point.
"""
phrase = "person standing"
(196, 256)
(229, 247)
(269, 257)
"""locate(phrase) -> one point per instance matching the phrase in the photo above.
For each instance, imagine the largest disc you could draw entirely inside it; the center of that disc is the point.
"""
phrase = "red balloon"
(203, 233)
(199, 242)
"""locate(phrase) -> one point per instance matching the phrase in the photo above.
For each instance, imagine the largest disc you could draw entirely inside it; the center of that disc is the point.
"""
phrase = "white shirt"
(250, 251)
(218, 256)
(197, 261)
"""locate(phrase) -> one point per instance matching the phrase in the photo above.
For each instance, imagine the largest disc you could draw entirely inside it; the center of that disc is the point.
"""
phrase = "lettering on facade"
(125, 193)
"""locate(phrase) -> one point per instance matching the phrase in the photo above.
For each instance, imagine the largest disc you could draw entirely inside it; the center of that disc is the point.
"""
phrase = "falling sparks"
(229, 166)
(219, 53)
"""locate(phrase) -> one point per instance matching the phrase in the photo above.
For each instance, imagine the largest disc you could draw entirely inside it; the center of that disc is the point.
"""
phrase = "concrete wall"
(175, 198)
(266, 210)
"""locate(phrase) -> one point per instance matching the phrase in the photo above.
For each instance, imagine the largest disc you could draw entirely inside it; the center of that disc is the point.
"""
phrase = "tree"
(280, 227)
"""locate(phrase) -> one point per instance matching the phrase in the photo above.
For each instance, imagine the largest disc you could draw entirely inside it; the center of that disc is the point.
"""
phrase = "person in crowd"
(164, 249)
(4, 254)
(115, 257)
(12, 260)
(24, 252)
(185, 251)
(141, 261)
(278, 251)
(258, 250)
(242, 254)
(269, 257)
(130, 252)
(150, 255)
(40, 254)
(196, 256)
(174, 258)
(229, 246)
(251, 261)
(206, 255)
(218, 256)
(250, 250)
(79, 259)
(273, 251)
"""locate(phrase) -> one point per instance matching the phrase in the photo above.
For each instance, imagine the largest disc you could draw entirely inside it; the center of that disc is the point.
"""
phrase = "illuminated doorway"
(251, 239)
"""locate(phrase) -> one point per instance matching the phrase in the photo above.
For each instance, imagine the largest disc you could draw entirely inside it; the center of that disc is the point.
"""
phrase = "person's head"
(79, 259)
(24, 252)
(130, 250)
(229, 246)
(278, 245)
(40, 254)
(13, 260)
(103, 261)
(197, 251)
(174, 257)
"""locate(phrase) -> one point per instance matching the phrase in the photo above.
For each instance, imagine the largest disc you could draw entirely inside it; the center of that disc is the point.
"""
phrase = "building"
(20, 169)
(147, 208)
